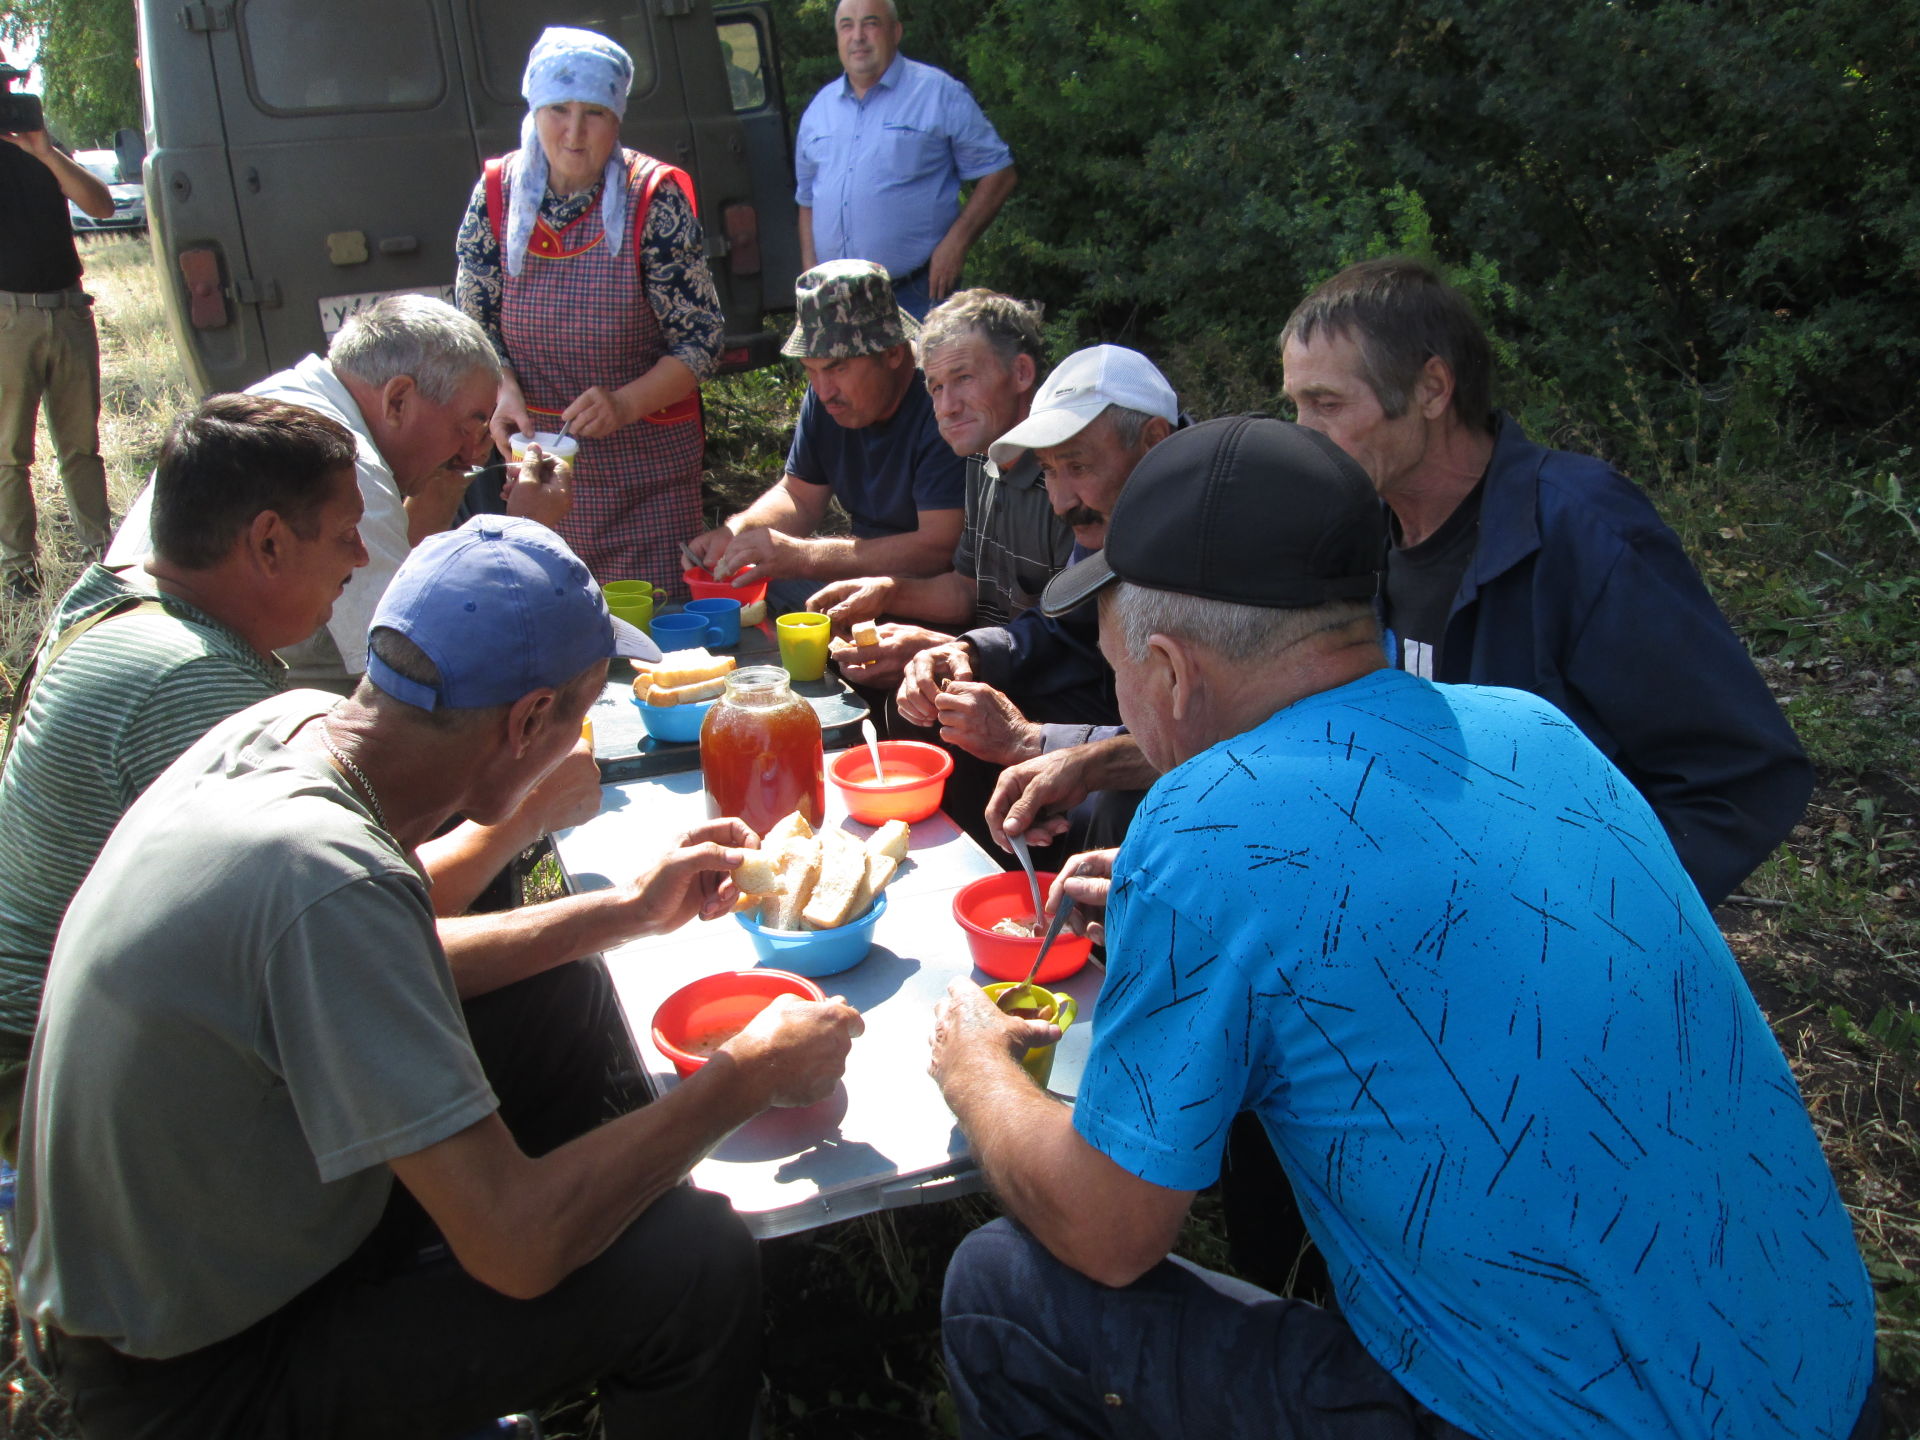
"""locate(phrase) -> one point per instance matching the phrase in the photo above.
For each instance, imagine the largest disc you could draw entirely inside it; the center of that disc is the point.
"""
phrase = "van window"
(343, 55)
(741, 49)
(508, 28)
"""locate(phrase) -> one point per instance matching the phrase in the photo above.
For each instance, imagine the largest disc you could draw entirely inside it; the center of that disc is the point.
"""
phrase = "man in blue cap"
(251, 1031)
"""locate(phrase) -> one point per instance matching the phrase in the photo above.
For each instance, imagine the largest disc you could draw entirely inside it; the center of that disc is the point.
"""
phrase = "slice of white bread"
(684, 694)
(793, 827)
(754, 614)
(891, 840)
(843, 871)
(759, 873)
(681, 667)
(879, 870)
(799, 870)
(865, 632)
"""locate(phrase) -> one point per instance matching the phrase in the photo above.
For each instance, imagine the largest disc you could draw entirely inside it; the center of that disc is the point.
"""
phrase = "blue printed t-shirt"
(1558, 1166)
(882, 174)
(884, 474)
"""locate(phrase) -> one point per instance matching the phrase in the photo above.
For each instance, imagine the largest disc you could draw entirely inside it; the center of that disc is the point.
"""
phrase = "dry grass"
(1832, 950)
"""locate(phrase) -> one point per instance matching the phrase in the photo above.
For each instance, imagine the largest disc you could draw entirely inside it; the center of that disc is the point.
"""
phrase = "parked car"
(129, 200)
(307, 158)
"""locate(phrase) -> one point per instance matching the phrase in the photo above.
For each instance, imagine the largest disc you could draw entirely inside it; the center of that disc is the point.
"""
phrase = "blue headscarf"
(568, 65)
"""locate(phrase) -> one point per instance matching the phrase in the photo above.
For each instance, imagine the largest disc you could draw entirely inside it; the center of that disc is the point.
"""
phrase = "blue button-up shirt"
(883, 174)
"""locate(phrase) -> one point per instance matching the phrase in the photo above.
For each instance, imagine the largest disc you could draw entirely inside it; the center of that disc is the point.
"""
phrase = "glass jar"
(760, 752)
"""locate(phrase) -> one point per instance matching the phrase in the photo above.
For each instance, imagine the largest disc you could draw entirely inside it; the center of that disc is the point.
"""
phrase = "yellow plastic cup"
(1045, 1005)
(632, 601)
(803, 643)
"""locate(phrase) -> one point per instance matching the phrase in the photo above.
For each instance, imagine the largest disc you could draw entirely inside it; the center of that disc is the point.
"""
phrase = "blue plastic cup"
(722, 617)
(680, 632)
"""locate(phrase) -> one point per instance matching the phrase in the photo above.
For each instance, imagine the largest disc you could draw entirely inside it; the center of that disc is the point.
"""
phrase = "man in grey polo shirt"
(251, 1032)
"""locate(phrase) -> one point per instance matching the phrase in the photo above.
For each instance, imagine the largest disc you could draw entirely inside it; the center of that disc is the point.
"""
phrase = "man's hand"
(967, 1026)
(568, 796)
(797, 1048)
(760, 554)
(596, 411)
(926, 675)
(985, 723)
(1085, 879)
(943, 269)
(694, 878)
(709, 545)
(1033, 797)
(543, 493)
(848, 602)
(510, 417)
(883, 664)
(34, 142)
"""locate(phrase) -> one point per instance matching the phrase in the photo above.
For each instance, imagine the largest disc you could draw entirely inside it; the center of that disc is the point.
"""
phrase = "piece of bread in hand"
(865, 632)
(843, 871)
(891, 840)
(759, 873)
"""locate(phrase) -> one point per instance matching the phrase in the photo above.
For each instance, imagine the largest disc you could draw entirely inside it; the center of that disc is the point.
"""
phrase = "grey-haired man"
(867, 437)
(415, 381)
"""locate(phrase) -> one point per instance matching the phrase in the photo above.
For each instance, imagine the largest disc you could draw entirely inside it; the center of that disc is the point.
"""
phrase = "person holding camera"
(47, 342)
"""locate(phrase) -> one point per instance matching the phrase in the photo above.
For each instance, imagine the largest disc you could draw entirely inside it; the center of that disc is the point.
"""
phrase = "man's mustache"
(1080, 515)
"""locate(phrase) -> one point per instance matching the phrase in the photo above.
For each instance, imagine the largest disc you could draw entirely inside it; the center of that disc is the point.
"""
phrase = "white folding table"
(884, 1138)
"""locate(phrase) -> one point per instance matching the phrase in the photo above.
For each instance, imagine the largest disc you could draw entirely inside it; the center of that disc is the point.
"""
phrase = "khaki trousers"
(55, 355)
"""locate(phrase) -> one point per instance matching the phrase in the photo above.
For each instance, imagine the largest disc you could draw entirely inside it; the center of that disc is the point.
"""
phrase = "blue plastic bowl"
(816, 952)
(679, 723)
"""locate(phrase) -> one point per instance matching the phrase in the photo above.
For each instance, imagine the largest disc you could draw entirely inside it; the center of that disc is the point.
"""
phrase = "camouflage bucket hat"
(846, 308)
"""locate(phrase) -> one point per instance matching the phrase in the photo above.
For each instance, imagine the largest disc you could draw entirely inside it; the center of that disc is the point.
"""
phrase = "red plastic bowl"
(910, 799)
(1008, 957)
(693, 1021)
(705, 587)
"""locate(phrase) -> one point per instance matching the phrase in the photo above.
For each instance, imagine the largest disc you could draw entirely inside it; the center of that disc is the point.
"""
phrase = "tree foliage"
(87, 50)
(1649, 198)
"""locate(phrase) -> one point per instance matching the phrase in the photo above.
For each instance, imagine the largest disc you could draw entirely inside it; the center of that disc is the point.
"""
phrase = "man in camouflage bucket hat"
(846, 308)
(867, 437)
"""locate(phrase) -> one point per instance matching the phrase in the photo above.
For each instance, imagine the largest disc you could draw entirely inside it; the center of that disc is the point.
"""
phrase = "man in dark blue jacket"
(1541, 570)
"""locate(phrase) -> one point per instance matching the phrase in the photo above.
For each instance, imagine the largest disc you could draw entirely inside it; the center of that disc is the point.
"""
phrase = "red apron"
(576, 316)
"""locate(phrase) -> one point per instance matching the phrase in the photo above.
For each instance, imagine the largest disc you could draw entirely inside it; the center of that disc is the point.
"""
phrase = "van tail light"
(206, 306)
(742, 224)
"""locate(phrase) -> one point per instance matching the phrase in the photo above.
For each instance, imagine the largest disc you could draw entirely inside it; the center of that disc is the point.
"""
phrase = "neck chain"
(354, 772)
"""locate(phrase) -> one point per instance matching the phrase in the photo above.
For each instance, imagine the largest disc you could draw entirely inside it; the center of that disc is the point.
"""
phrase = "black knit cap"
(1246, 509)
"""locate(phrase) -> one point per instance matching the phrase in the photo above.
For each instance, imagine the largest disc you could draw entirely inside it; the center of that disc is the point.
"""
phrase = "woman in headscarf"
(584, 262)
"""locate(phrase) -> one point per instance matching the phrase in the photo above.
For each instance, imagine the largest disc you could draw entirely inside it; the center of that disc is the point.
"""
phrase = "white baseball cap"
(1083, 385)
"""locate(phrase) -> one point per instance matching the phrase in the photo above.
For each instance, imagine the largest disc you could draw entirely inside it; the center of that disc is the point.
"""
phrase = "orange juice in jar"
(761, 756)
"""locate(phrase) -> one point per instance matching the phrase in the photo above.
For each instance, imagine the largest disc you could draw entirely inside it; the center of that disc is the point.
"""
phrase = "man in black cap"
(1431, 937)
(47, 345)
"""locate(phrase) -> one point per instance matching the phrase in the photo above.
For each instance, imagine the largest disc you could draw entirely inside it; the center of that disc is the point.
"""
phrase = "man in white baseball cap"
(1099, 412)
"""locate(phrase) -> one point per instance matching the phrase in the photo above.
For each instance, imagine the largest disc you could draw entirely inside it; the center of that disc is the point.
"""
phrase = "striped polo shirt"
(118, 706)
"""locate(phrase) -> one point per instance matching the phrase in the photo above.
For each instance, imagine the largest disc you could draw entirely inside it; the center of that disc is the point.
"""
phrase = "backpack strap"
(43, 660)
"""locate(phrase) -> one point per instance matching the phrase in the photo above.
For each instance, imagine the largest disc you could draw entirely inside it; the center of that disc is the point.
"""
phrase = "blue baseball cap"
(501, 607)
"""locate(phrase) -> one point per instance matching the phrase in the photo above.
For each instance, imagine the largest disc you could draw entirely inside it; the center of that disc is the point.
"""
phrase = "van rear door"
(351, 157)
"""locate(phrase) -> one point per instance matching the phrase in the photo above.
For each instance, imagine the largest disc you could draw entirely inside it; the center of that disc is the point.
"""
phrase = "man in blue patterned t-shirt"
(1443, 950)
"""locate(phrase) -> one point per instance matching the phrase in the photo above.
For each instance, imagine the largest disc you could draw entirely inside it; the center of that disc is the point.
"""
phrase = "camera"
(20, 114)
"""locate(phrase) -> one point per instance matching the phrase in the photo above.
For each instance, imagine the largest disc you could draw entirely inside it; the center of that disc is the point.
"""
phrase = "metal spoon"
(873, 749)
(1053, 931)
(1019, 843)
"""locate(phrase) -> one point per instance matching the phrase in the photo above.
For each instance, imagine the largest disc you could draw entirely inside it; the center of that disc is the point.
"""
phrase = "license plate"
(336, 310)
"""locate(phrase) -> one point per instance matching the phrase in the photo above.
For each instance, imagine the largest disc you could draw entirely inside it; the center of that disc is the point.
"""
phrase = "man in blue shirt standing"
(1447, 955)
(880, 158)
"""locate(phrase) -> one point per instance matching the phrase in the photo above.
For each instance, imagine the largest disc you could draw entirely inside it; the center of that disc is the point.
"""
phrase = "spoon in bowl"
(873, 749)
(1019, 843)
(1020, 992)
